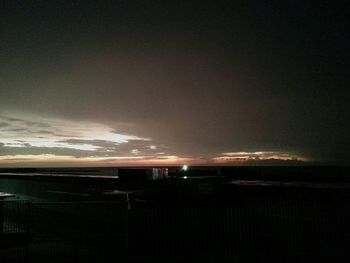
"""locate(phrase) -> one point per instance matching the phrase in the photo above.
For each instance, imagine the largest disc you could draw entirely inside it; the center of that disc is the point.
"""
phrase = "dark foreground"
(234, 216)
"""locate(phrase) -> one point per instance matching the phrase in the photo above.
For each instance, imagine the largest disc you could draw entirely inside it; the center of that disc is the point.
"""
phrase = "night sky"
(172, 82)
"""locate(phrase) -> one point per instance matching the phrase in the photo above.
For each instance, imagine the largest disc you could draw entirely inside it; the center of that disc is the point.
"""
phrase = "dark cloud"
(36, 124)
(3, 124)
(10, 119)
(199, 78)
(30, 150)
(16, 129)
(24, 122)
(47, 132)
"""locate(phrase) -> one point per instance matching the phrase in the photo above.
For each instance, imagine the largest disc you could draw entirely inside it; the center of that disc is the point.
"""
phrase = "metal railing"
(275, 229)
(70, 231)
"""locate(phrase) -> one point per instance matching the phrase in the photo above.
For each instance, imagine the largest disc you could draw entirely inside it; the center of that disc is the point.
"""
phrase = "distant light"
(185, 177)
(185, 167)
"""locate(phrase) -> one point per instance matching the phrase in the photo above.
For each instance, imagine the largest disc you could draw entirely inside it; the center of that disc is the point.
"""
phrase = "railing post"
(75, 250)
(2, 216)
(28, 216)
(127, 226)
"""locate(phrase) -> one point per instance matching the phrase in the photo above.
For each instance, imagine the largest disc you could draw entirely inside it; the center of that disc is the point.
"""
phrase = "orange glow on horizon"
(51, 160)
(31, 140)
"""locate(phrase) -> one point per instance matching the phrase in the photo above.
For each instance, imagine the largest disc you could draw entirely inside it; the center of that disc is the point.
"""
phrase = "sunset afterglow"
(36, 139)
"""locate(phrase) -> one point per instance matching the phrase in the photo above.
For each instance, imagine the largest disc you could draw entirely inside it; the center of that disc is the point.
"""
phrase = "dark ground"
(268, 214)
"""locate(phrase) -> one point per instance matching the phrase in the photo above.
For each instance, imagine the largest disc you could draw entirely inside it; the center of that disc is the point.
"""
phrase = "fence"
(65, 231)
(14, 216)
(274, 230)
(270, 229)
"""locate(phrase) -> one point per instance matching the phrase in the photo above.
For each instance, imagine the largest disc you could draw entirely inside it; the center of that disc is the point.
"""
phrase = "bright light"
(185, 177)
(32, 131)
(185, 167)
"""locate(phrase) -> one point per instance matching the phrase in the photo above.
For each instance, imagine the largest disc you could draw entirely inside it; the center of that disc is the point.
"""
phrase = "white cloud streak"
(41, 139)
(33, 131)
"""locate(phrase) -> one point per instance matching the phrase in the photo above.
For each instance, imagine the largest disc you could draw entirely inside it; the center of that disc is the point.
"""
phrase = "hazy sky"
(167, 82)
